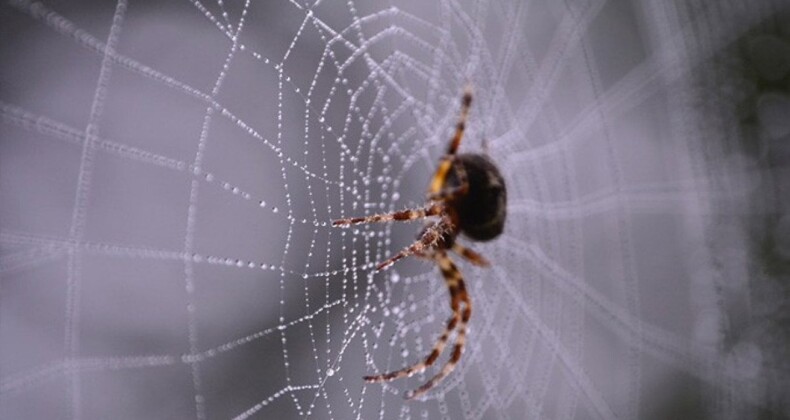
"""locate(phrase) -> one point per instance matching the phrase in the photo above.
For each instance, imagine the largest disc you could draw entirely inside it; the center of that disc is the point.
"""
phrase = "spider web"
(169, 172)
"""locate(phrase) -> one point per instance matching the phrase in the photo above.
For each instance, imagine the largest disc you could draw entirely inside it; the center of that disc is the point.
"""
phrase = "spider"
(467, 196)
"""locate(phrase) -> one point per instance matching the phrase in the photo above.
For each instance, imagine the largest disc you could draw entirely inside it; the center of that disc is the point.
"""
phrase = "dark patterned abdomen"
(482, 211)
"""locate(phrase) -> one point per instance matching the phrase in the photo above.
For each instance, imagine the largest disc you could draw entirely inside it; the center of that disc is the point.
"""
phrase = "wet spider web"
(169, 172)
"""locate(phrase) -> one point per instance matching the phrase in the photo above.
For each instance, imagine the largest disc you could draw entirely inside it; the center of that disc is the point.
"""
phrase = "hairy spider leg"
(458, 295)
(431, 236)
(455, 285)
(466, 102)
(418, 367)
(403, 215)
(460, 127)
(451, 193)
(471, 256)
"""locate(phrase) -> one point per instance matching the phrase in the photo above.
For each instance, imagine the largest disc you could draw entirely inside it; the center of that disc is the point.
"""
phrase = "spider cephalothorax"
(467, 196)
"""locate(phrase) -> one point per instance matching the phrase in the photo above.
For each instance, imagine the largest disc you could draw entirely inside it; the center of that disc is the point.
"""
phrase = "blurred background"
(169, 170)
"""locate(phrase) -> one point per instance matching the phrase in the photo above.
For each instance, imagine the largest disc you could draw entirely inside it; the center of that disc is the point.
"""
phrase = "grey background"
(168, 171)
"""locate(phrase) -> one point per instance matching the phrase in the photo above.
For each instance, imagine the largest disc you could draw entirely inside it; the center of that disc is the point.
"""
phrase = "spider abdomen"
(482, 210)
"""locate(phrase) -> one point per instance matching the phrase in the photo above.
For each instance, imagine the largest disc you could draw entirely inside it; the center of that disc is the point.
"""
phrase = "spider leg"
(450, 193)
(441, 342)
(458, 294)
(466, 101)
(471, 256)
(403, 215)
(429, 238)
(428, 361)
(452, 148)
